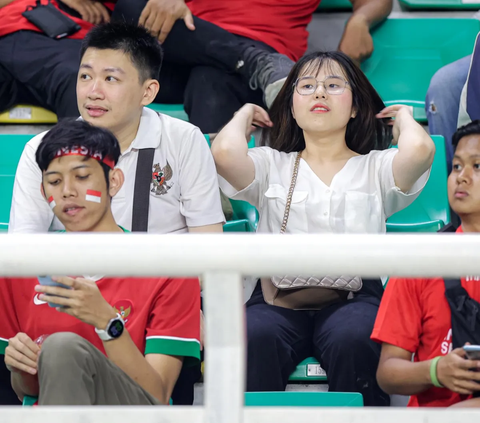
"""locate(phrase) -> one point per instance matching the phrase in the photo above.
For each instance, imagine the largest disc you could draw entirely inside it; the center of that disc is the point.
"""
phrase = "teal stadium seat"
(303, 399)
(430, 211)
(440, 4)
(334, 5)
(409, 51)
(11, 147)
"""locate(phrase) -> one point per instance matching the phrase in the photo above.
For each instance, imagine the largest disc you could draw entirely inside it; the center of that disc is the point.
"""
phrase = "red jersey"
(282, 24)
(414, 315)
(162, 315)
(12, 20)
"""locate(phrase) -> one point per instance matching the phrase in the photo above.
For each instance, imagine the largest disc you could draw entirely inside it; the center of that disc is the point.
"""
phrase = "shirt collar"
(149, 131)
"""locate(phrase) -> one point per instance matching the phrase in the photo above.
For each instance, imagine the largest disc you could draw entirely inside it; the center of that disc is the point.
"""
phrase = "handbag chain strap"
(290, 192)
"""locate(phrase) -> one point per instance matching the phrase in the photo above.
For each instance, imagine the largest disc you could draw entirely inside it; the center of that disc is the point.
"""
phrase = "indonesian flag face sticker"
(94, 196)
(51, 202)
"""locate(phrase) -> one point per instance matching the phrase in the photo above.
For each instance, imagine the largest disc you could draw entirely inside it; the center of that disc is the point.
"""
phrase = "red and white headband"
(81, 150)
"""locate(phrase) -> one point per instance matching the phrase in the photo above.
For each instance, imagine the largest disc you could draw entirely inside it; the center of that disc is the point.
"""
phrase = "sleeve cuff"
(3, 345)
(380, 338)
(417, 187)
(212, 219)
(230, 191)
(181, 347)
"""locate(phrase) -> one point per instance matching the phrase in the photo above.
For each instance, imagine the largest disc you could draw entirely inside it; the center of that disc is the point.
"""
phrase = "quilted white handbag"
(297, 290)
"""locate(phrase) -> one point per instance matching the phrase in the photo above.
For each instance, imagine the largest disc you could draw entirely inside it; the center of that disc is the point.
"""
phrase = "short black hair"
(70, 133)
(472, 128)
(143, 49)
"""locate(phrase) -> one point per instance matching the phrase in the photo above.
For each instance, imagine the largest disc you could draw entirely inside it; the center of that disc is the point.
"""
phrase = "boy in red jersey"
(415, 317)
(112, 341)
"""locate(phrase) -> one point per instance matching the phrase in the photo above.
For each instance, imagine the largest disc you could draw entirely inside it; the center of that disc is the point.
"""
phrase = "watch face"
(116, 328)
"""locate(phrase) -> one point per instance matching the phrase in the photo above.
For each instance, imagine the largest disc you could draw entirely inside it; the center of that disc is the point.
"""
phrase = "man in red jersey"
(220, 55)
(36, 69)
(110, 340)
(415, 317)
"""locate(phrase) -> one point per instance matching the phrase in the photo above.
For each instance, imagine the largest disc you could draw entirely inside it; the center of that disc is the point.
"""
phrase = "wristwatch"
(113, 330)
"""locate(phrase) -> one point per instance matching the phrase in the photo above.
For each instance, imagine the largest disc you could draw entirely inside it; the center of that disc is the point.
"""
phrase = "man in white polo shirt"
(118, 77)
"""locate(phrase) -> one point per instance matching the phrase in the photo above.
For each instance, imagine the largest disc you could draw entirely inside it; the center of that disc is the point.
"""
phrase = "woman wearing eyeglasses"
(327, 169)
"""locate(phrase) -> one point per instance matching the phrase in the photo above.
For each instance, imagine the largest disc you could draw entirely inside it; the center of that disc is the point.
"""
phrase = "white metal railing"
(221, 260)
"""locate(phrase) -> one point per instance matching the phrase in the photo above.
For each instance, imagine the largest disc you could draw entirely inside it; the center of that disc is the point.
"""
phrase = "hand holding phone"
(47, 281)
(472, 351)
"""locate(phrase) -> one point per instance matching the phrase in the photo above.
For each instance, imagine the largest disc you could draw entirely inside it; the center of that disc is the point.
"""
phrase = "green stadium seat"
(430, 211)
(37, 115)
(12, 148)
(303, 399)
(440, 4)
(308, 371)
(334, 5)
(409, 51)
(29, 401)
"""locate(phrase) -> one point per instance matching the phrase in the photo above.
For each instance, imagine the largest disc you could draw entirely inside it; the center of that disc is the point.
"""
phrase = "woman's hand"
(254, 116)
(401, 114)
(416, 149)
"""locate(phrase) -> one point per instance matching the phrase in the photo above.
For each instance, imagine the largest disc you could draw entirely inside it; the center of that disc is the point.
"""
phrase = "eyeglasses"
(333, 85)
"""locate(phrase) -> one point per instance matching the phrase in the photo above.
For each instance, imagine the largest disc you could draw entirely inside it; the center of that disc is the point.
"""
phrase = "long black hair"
(364, 133)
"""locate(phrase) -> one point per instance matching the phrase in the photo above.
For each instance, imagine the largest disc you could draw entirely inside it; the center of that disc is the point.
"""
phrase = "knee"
(261, 334)
(448, 80)
(61, 349)
(350, 339)
(440, 79)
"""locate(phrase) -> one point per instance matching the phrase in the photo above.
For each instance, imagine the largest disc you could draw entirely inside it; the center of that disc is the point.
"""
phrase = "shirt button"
(327, 191)
(325, 213)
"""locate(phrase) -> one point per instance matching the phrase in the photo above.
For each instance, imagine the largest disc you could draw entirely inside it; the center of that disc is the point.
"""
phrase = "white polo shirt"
(188, 197)
(360, 198)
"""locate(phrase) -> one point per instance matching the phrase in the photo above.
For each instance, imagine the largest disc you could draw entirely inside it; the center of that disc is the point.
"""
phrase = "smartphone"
(473, 351)
(47, 281)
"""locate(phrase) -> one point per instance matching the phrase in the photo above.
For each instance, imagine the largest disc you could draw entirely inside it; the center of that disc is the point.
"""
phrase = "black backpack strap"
(451, 284)
(141, 193)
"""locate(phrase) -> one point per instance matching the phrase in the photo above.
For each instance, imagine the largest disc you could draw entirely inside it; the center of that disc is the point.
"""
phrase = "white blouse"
(360, 198)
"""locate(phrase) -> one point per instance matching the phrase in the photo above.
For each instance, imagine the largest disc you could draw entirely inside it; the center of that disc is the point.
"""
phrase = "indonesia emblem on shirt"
(160, 177)
(124, 308)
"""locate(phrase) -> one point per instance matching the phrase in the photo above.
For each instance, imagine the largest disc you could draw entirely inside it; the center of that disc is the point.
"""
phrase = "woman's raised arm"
(230, 149)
